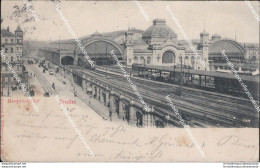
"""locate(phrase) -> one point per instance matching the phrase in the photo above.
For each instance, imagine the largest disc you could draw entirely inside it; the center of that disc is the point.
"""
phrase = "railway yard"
(199, 107)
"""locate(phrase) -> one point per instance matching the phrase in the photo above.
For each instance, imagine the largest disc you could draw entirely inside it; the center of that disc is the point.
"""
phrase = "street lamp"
(180, 91)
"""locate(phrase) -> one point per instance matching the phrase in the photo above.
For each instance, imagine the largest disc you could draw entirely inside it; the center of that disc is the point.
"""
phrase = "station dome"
(158, 32)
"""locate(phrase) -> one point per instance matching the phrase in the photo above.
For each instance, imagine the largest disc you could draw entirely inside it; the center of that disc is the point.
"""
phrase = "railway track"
(190, 90)
(196, 94)
(159, 104)
(192, 109)
(44, 83)
(222, 118)
(230, 103)
(214, 102)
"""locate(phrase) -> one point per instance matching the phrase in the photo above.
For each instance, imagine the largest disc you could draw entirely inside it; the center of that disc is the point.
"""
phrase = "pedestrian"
(53, 85)
(109, 111)
(110, 114)
(75, 93)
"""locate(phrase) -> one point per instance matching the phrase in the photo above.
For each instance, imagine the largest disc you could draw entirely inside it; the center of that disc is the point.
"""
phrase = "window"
(6, 40)
(6, 50)
(12, 59)
(17, 67)
(17, 48)
(180, 59)
(12, 41)
(142, 60)
(186, 61)
(12, 50)
(192, 61)
(135, 60)
(148, 60)
(168, 57)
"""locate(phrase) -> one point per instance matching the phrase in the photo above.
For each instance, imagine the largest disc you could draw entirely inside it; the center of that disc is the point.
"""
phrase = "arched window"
(180, 59)
(192, 61)
(148, 60)
(186, 61)
(168, 57)
(142, 60)
(135, 60)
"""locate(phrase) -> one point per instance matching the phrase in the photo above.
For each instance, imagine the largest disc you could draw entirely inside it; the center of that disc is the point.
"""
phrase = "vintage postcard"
(129, 81)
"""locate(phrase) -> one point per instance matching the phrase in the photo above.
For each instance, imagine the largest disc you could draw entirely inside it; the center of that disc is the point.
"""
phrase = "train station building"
(154, 54)
(157, 45)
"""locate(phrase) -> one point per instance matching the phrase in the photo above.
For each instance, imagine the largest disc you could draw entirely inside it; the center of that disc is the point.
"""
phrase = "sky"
(224, 18)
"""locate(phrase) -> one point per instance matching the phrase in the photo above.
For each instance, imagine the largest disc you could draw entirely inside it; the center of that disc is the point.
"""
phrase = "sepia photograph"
(129, 81)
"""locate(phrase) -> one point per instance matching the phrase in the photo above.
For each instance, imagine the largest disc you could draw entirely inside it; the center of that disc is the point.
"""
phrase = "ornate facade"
(158, 45)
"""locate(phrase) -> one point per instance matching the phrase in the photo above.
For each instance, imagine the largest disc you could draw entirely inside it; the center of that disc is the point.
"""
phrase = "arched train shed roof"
(101, 46)
(230, 47)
